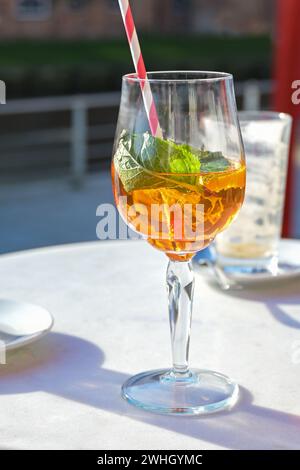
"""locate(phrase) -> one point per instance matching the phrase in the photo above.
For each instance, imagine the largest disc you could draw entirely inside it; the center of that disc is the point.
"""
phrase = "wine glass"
(179, 191)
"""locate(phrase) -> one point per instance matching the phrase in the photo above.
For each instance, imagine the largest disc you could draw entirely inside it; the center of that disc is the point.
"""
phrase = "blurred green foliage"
(35, 67)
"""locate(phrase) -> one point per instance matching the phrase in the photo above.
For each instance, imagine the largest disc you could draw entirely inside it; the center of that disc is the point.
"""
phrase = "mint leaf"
(213, 162)
(184, 162)
(143, 161)
(163, 156)
(131, 173)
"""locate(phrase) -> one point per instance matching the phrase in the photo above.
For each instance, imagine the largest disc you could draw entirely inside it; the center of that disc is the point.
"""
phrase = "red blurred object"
(286, 71)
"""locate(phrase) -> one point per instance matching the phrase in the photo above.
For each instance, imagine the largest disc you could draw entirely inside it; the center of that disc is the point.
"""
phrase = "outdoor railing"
(80, 132)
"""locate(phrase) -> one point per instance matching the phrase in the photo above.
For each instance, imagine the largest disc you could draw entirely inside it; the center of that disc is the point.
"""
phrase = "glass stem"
(180, 285)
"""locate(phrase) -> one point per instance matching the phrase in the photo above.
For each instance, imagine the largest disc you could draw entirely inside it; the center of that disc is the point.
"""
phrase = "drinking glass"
(250, 245)
(179, 192)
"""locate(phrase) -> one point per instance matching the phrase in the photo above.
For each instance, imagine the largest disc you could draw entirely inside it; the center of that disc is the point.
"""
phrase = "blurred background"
(62, 62)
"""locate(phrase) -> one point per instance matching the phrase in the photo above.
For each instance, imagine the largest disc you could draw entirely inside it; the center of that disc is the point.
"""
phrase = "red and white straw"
(140, 67)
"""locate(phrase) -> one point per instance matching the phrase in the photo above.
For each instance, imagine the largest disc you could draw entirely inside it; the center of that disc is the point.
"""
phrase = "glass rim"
(263, 115)
(214, 76)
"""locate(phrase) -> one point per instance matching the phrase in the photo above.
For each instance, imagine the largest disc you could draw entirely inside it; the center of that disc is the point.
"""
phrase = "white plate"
(22, 323)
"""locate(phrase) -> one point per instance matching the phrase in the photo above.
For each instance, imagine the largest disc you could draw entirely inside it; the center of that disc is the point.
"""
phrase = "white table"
(110, 308)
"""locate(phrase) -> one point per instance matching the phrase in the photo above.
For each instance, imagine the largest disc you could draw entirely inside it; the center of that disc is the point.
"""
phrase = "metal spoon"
(208, 258)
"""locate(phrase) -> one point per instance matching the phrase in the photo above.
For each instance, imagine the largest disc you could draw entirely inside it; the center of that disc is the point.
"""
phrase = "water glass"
(250, 245)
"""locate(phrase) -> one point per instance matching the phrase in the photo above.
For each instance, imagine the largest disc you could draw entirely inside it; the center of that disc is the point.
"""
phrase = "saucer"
(288, 267)
(22, 323)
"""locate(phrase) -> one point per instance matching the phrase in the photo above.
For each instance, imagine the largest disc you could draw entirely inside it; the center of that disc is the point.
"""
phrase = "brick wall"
(97, 18)
(236, 16)
(101, 18)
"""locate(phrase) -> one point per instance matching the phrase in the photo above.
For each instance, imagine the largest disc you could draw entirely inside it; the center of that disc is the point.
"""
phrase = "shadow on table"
(70, 367)
(278, 298)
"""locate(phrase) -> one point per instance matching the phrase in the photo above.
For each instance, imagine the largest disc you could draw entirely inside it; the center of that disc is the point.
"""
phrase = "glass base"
(196, 392)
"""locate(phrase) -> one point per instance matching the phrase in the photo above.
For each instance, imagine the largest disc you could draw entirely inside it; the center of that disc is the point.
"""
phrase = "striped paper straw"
(140, 67)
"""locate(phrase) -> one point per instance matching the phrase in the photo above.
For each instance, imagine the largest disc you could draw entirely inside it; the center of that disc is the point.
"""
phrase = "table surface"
(110, 308)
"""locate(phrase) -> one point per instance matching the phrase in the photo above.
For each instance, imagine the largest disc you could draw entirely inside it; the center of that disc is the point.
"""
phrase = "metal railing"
(80, 132)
